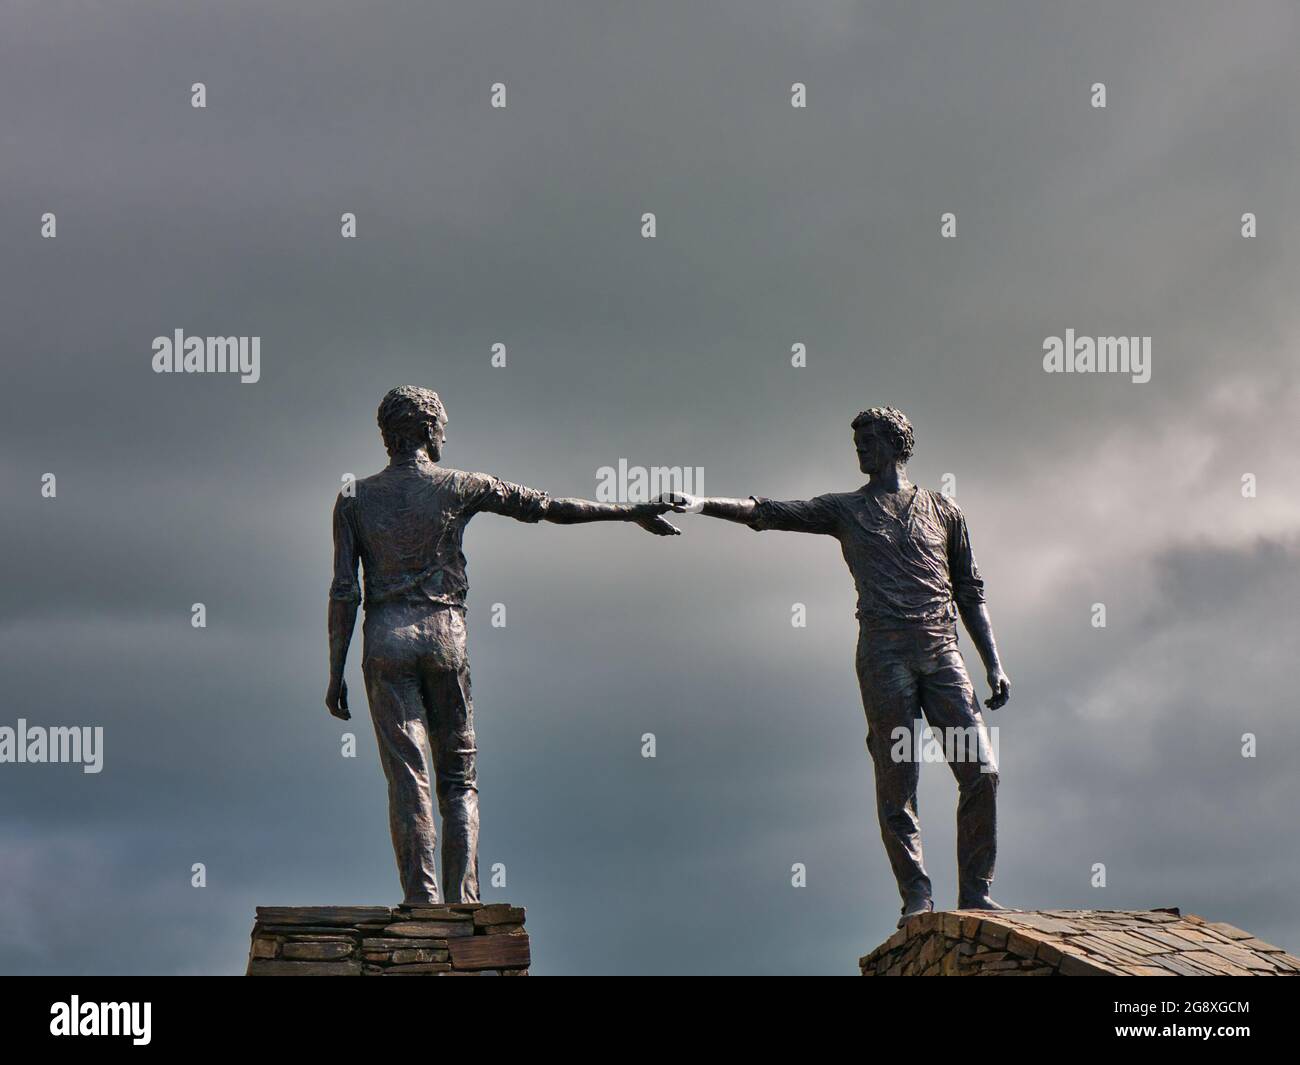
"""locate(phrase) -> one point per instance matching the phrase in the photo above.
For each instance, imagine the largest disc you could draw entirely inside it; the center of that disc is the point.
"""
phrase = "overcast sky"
(775, 226)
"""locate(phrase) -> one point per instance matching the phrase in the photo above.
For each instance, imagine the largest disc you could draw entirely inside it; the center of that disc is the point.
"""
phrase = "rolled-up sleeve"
(818, 515)
(482, 491)
(345, 588)
(967, 584)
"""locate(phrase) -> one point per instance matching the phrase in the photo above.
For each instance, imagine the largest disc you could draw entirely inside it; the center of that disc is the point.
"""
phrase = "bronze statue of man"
(910, 556)
(405, 525)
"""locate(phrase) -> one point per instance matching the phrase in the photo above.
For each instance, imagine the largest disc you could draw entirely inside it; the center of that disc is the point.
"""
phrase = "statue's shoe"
(914, 907)
(979, 902)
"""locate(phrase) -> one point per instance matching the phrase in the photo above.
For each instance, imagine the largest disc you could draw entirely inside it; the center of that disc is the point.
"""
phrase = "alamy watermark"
(645, 484)
(181, 354)
(74, 744)
(921, 743)
(102, 1018)
(1073, 354)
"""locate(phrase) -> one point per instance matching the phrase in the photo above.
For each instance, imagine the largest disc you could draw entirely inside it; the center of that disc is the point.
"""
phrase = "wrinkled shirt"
(909, 573)
(405, 525)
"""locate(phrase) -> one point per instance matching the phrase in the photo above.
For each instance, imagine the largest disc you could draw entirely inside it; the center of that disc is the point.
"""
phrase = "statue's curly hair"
(896, 426)
(403, 415)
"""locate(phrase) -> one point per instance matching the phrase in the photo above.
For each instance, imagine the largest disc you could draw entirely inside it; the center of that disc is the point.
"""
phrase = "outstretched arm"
(741, 511)
(484, 492)
(799, 515)
(581, 511)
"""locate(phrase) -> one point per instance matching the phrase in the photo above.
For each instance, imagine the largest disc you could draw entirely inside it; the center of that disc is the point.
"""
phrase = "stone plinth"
(460, 939)
(1074, 943)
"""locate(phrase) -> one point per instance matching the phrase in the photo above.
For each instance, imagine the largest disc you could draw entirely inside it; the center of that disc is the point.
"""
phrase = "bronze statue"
(405, 524)
(910, 556)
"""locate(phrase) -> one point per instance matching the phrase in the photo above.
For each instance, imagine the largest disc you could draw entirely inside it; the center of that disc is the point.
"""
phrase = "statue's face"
(875, 452)
(436, 441)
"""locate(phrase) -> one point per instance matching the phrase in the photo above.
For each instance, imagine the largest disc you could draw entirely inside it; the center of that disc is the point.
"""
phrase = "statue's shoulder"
(944, 506)
(457, 480)
(463, 487)
(847, 500)
(375, 487)
(367, 482)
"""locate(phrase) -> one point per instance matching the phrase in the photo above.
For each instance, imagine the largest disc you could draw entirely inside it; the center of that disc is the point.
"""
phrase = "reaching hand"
(682, 503)
(650, 517)
(336, 699)
(1000, 684)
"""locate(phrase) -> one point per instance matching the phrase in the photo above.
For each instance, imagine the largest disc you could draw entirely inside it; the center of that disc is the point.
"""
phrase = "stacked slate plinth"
(1074, 943)
(459, 939)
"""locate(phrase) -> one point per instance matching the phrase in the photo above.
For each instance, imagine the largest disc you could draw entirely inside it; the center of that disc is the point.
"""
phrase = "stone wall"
(1074, 943)
(464, 939)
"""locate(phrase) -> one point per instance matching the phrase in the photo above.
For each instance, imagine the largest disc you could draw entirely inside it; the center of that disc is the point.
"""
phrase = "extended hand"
(1000, 685)
(682, 503)
(650, 517)
(336, 698)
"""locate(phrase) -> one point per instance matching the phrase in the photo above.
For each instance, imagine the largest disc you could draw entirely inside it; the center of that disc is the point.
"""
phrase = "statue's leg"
(397, 709)
(451, 735)
(951, 708)
(890, 699)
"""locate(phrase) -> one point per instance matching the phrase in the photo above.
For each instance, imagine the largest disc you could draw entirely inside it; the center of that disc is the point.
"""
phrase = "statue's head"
(882, 436)
(413, 419)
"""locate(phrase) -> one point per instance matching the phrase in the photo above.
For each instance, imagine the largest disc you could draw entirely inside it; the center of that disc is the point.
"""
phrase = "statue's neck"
(416, 458)
(891, 479)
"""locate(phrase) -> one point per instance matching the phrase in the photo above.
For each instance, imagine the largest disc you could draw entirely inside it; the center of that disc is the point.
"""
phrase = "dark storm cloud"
(522, 226)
